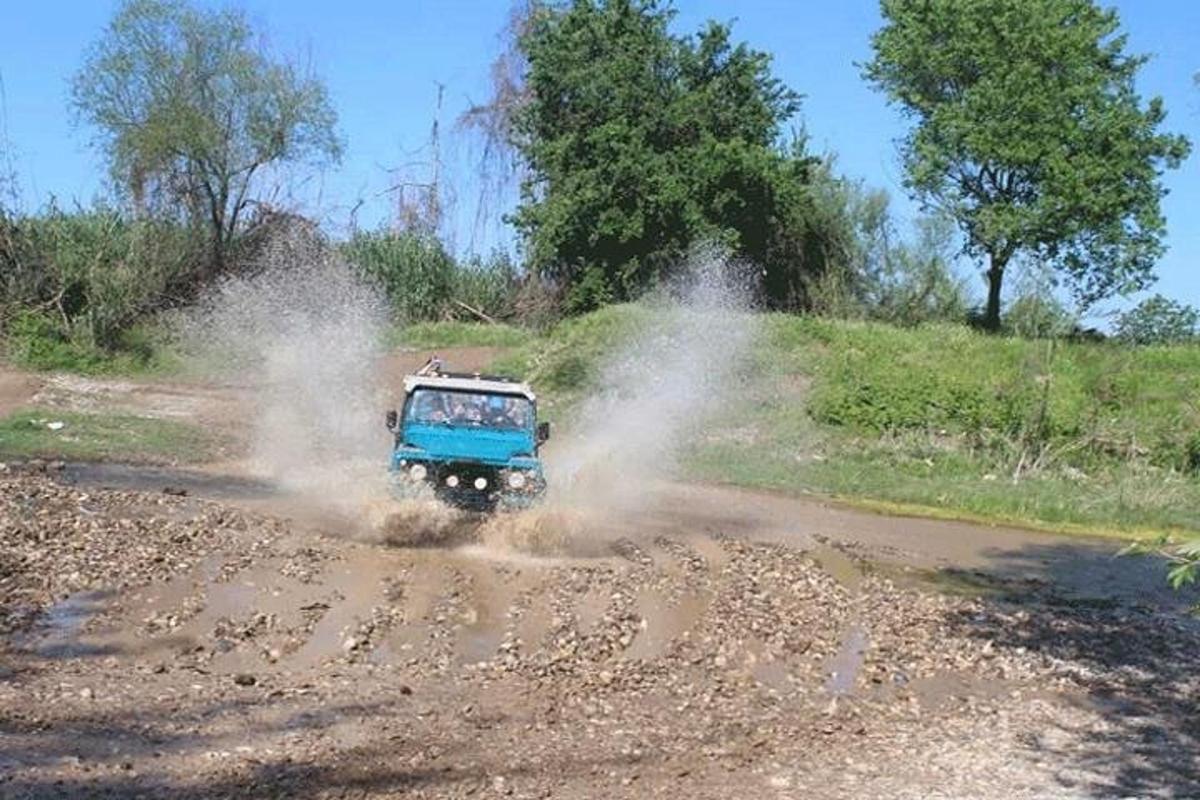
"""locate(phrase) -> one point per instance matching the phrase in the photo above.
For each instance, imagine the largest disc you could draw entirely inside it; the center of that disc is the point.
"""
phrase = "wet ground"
(200, 633)
(959, 555)
(183, 644)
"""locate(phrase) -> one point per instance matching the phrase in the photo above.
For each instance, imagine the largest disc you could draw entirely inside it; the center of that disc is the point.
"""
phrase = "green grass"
(943, 420)
(142, 350)
(934, 420)
(457, 334)
(1103, 400)
(895, 479)
(92, 437)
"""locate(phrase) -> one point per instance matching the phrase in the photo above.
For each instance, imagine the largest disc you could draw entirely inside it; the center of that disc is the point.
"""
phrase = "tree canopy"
(190, 111)
(640, 144)
(1030, 133)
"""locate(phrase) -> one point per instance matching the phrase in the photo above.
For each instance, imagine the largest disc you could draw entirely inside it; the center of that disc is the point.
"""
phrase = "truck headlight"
(452, 481)
(516, 480)
(481, 483)
(418, 472)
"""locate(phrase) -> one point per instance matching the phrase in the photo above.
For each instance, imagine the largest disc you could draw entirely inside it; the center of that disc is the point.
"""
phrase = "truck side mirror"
(543, 432)
(392, 421)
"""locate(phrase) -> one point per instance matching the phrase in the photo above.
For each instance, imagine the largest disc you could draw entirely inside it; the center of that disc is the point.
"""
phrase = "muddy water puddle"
(847, 662)
(844, 666)
(710, 550)
(141, 477)
(1074, 567)
(60, 631)
(357, 587)
(945, 689)
(769, 670)
(841, 567)
(664, 621)
(420, 589)
(485, 616)
(537, 619)
(591, 607)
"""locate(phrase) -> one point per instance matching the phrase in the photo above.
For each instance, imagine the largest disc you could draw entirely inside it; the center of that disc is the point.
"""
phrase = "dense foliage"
(85, 276)
(423, 281)
(1107, 401)
(641, 144)
(1030, 132)
(871, 270)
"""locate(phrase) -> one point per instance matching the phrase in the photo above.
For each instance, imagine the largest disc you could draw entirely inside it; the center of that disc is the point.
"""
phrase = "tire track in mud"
(675, 662)
(392, 607)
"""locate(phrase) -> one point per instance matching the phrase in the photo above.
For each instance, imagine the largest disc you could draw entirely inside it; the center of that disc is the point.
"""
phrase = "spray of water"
(303, 332)
(654, 394)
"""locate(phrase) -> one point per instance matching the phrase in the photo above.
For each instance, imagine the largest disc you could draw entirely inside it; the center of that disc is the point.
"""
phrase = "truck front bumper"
(468, 485)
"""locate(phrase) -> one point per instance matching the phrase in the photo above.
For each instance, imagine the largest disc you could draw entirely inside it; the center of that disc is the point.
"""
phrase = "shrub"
(424, 282)
(93, 272)
(1038, 316)
(487, 286)
(40, 341)
(413, 268)
(1159, 320)
(1082, 401)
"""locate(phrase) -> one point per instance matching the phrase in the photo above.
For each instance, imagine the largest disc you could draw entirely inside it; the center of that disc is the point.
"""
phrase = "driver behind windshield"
(516, 413)
(455, 408)
(496, 412)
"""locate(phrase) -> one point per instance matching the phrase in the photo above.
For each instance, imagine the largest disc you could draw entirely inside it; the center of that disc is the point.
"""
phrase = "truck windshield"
(433, 406)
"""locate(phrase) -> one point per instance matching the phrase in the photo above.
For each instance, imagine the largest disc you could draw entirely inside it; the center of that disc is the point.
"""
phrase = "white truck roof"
(467, 384)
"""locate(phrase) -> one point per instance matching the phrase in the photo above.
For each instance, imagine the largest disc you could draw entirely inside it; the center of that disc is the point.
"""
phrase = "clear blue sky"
(382, 60)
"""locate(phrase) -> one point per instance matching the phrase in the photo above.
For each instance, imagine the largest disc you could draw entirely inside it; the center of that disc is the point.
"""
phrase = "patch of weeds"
(457, 334)
(36, 342)
(73, 436)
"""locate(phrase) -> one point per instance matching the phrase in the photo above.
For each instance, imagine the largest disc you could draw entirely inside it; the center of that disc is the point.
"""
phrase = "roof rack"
(433, 369)
(477, 376)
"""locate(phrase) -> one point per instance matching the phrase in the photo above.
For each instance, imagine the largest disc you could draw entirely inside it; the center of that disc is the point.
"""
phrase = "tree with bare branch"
(192, 112)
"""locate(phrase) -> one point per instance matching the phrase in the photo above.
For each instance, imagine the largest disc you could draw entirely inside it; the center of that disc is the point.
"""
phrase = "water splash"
(653, 396)
(303, 330)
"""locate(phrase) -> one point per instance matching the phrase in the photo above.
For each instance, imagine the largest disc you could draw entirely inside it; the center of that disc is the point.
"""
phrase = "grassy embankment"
(33, 344)
(938, 420)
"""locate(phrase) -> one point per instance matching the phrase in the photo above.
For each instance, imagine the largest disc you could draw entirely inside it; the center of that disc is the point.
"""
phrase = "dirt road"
(185, 634)
(17, 390)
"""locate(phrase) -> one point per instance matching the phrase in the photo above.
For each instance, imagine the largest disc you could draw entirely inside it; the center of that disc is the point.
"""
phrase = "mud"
(206, 404)
(207, 632)
(846, 663)
(268, 658)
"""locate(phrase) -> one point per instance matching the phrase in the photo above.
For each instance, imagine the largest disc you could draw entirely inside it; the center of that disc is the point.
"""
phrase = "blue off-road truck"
(472, 439)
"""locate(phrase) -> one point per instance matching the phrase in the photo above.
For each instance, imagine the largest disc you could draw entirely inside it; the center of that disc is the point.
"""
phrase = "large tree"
(639, 144)
(1030, 133)
(191, 111)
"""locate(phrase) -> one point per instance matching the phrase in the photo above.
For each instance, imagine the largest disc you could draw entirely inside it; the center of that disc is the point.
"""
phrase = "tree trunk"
(216, 263)
(995, 278)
